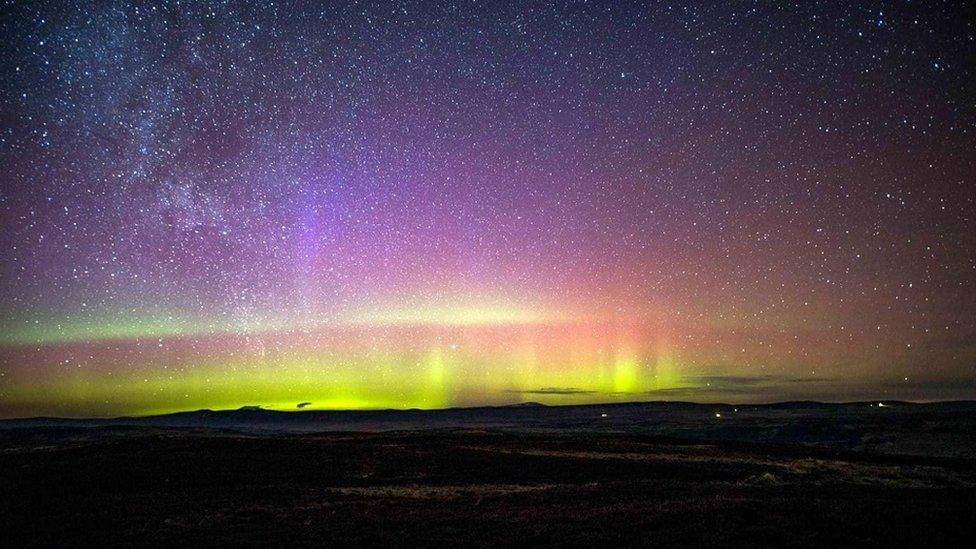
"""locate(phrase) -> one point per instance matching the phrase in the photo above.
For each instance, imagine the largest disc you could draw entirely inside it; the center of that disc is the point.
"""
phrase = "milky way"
(370, 205)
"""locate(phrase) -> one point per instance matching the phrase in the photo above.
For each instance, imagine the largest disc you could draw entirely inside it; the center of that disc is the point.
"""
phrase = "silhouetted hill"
(940, 428)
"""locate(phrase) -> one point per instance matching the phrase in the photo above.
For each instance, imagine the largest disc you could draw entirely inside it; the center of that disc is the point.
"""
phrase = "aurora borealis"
(432, 204)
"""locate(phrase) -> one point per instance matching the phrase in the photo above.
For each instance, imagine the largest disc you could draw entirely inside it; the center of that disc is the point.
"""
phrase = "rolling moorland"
(790, 474)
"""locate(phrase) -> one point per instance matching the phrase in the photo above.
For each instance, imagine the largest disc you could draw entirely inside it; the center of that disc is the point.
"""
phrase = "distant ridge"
(623, 415)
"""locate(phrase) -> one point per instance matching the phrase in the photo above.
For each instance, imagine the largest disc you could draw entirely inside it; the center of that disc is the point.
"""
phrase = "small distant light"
(718, 414)
(881, 405)
(603, 415)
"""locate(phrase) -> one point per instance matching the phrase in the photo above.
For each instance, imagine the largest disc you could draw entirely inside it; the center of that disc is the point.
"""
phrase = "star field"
(361, 205)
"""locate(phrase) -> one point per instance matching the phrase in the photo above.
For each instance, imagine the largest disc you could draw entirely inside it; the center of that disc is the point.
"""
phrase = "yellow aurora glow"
(420, 357)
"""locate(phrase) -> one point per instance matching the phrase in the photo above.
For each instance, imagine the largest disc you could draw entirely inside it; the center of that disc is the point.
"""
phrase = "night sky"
(371, 205)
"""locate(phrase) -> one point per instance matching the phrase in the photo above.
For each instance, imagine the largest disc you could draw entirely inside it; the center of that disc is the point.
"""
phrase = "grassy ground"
(164, 487)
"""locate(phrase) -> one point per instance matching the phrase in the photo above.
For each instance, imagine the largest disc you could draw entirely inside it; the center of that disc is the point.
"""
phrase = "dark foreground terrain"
(797, 475)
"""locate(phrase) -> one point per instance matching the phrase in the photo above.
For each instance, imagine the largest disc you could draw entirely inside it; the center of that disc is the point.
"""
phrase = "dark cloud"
(555, 391)
(726, 381)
